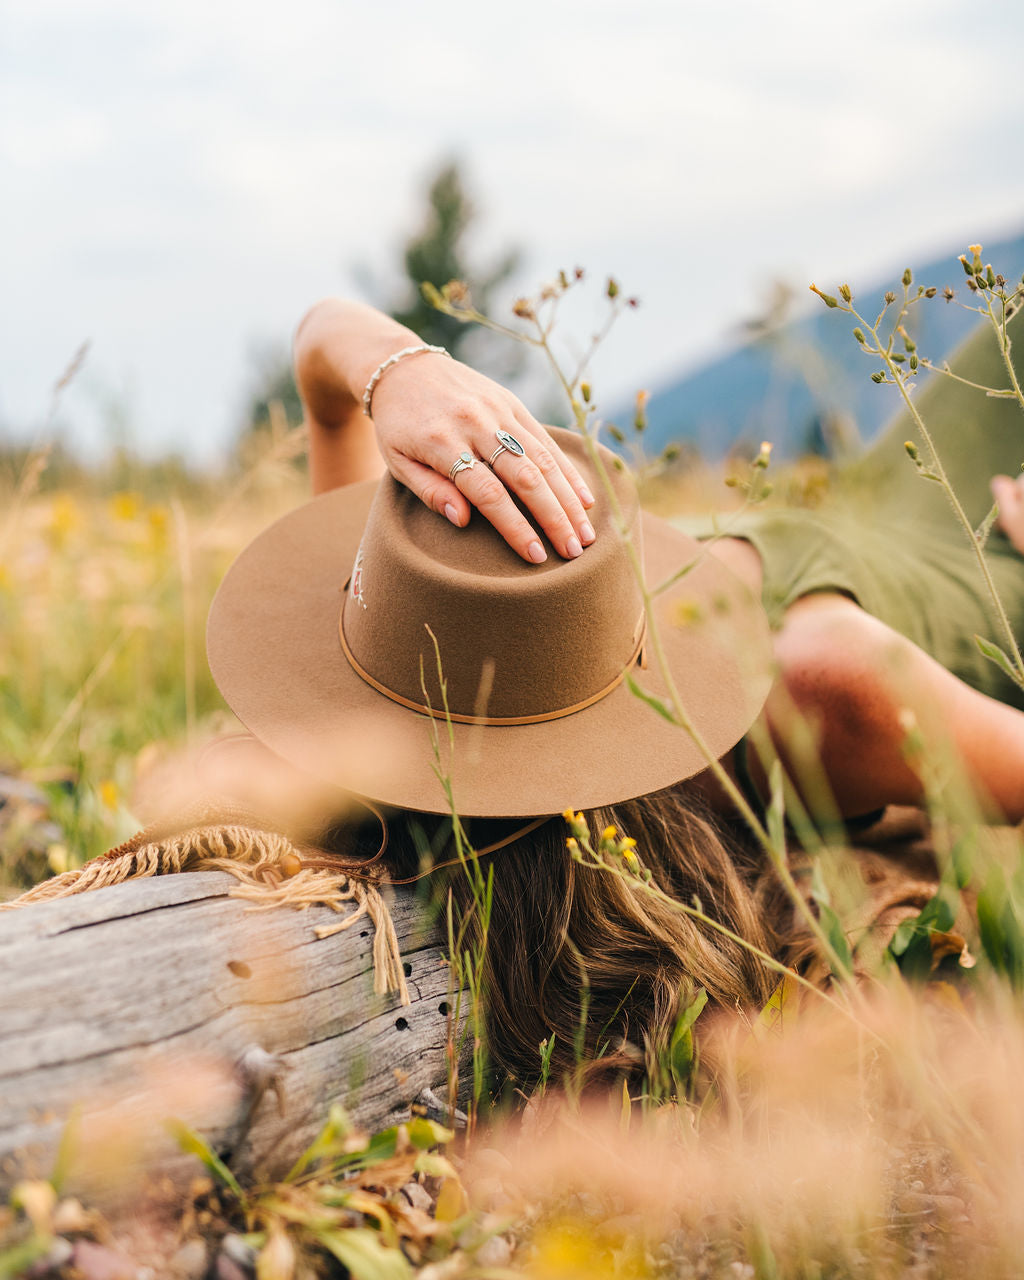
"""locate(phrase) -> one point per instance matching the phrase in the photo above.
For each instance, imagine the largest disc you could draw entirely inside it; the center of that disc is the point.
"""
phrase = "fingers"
(490, 497)
(565, 463)
(536, 480)
(539, 482)
(434, 490)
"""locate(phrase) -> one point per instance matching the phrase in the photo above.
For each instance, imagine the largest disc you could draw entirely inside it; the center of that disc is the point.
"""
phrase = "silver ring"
(507, 443)
(464, 462)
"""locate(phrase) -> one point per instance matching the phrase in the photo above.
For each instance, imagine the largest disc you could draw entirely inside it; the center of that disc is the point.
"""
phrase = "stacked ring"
(464, 462)
(506, 443)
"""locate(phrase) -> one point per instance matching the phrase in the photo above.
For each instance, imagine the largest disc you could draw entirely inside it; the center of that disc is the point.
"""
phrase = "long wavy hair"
(588, 956)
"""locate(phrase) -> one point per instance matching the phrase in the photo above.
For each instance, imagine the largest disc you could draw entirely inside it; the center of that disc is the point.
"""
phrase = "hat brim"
(275, 653)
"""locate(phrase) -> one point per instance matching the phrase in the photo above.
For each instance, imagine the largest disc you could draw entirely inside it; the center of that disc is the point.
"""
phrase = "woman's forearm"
(338, 345)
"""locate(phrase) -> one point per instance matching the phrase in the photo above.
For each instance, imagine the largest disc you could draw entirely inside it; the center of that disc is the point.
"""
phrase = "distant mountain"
(760, 392)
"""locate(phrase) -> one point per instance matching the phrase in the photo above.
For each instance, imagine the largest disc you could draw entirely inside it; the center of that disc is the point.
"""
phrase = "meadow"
(873, 1128)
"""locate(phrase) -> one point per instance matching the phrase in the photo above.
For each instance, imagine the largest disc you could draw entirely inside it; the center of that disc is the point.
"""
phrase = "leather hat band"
(458, 718)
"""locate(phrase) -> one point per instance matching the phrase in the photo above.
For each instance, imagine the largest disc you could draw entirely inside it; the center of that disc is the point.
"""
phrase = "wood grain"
(159, 998)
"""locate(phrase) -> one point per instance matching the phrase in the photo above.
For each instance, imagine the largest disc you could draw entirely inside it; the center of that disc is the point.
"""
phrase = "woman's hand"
(1009, 494)
(428, 409)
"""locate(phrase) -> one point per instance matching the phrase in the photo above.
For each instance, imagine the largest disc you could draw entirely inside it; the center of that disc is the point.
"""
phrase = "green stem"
(776, 856)
(947, 372)
(655, 891)
(1005, 345)
(939, 470)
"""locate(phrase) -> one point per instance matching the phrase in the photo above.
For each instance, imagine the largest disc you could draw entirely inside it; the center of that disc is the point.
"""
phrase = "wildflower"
(687, 612)
(609, 833)
(108, 793)
(523, 308)
(844, 292)
(612, 287)
(640, 416)
(948, 293)
(827, 298)
(124, 506)
(889, 296)
(911, 449)
(585, 392)
(908, 278)
(456, 293)
(859, 335)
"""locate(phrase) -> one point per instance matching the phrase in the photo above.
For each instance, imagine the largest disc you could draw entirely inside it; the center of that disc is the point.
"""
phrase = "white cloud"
(186, 175)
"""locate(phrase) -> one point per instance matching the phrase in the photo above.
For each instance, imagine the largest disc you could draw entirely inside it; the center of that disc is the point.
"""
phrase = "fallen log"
(166, 998)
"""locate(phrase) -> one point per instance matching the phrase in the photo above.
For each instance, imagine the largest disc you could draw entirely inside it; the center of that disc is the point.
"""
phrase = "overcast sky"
(182, 178)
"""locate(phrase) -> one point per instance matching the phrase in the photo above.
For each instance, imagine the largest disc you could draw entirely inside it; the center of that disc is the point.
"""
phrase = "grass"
(880, 1134)
(826, 1146)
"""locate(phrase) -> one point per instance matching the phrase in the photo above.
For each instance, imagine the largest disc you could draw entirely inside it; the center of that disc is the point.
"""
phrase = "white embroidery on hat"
(358, 594)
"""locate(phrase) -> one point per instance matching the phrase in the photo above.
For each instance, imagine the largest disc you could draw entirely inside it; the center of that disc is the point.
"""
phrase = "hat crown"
(513, 639)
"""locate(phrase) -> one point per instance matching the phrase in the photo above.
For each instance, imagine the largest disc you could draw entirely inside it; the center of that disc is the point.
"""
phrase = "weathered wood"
(139, 1002)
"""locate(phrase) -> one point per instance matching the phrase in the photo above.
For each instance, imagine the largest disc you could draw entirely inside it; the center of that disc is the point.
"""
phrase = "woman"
(836, 660)
(516, 706)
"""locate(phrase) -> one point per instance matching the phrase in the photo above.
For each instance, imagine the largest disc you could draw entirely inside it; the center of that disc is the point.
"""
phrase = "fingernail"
(452, 514)
(573, 548)
(536, 553)
(586, 497)
(587, 533)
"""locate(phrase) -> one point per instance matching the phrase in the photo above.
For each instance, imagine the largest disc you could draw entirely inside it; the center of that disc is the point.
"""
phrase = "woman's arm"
(852, 678)
(427, 409)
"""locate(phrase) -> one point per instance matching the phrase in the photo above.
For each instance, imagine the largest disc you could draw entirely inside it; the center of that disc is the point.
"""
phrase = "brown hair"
(568, 942)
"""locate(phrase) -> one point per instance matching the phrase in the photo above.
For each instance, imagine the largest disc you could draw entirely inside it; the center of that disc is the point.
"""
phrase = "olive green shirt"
(888, 537)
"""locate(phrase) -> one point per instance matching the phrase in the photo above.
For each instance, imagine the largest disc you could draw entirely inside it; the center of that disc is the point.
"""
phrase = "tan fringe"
(254, 857)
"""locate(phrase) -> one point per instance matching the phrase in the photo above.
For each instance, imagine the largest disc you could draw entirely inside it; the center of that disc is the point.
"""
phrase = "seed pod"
(908, 278)
(859, 335)
(585, 392)
(990, 276)
(890, 296)
(844, 292)
(930, 293)
(911, 449)
(612, 287)
(914, 363)
(878, 377)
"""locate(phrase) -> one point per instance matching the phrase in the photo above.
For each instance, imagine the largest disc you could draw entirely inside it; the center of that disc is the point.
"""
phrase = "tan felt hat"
(322, 640)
